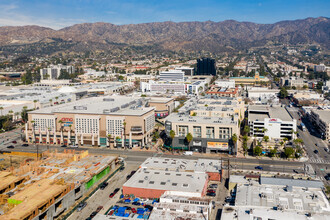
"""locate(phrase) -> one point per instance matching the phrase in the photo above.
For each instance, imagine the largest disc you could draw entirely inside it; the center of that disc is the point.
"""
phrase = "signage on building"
(67, 122)
(197, 143)
(218, 145)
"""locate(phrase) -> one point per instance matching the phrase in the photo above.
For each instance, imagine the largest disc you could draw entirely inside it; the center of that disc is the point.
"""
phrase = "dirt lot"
(6, 160)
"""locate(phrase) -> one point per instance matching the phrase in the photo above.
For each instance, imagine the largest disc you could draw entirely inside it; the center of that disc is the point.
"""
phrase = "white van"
(188, 153)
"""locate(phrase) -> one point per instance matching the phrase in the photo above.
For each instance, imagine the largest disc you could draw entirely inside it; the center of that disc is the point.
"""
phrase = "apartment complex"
(93, 121)
(271, 121)
(210, 134)
(321, 119)
(54, 71)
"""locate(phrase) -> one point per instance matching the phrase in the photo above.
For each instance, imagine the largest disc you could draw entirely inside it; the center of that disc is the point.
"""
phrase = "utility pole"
(11, 163)
(37, 152)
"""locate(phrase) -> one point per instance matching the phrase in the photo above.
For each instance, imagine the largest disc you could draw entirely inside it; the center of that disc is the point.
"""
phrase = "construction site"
(47, 187)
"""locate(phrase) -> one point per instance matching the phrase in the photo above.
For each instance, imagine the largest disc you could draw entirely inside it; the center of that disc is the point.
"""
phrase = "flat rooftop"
(324, 115)
(182, 165)
(260, 112)
(277, 198)
(184, 118)
(106, 105)
(168, 180)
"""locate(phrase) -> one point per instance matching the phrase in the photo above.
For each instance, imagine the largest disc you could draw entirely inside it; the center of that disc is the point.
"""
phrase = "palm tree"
(124, 141)
(246, 129)
(234, 139)
(117, 139)
(189, 138)
(61, 128)
(35, 101)
(109, 140)
(172, 135)
(51, 100)
(11, 112)
(56, 99)
(264, 130)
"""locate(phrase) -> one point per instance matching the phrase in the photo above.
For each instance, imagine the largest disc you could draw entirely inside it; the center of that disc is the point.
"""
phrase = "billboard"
(218, 145)
(67, 122)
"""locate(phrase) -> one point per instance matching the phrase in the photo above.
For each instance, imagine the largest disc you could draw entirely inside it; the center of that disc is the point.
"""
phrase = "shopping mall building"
(97, 121)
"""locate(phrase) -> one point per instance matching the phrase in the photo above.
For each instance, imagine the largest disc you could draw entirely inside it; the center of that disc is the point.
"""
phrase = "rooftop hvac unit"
(114, 109)
(79, 107)
(108, 99)
(124, 105)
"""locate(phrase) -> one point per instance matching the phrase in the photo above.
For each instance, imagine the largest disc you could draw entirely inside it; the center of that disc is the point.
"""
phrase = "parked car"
(210, 191)
(93, 214)
(14, 142)
(132, 173)
(133, 210)
(63, 145)
(211, 194)
(259, 168)
(116, 190)
(149, 207)
(326, 149)
(213, 186)
(25, 145)
(81, 206)
(136, 203)
(316, 151)
(128, 177)
(327, 177)
(121, 168)
(105, 184)
(10, 146)
(112, 195)
(99, 209)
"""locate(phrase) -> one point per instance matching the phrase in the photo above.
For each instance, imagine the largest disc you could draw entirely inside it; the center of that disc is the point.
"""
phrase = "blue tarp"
(140, 211)
(126, 215)
(121, 196)
(140, 216)
(127, 200)
(122, 209)
(136, 200)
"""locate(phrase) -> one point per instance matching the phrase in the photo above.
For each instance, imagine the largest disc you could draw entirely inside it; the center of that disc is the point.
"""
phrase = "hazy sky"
(61, 13)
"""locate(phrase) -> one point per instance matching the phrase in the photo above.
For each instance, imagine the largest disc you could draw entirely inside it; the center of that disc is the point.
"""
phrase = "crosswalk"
(319, 160)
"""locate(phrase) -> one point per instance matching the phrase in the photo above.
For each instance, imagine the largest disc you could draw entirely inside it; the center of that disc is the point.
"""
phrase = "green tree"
(266, 138)
(257, 151)
(288, 151)
(64, 74)
(283, 93)
(246, 129)
(189, 138)
(273, 152)
(172, 135)
(234, 139)
(109, 139)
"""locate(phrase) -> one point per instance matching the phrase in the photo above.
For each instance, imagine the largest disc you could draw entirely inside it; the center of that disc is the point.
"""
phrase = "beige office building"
(98, 121)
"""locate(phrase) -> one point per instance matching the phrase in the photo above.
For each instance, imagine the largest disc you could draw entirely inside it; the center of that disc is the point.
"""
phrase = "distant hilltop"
(209, 36)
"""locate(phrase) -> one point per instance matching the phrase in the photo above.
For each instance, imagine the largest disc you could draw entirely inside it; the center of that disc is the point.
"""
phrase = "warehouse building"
(150, 183)
(211, 167)
(93, 121)
(271, 121)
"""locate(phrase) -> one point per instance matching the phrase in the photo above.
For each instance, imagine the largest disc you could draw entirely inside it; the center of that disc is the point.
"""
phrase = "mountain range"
(209, 36)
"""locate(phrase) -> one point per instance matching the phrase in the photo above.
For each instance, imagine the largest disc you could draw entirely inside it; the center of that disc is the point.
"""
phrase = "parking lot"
(101, 197)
